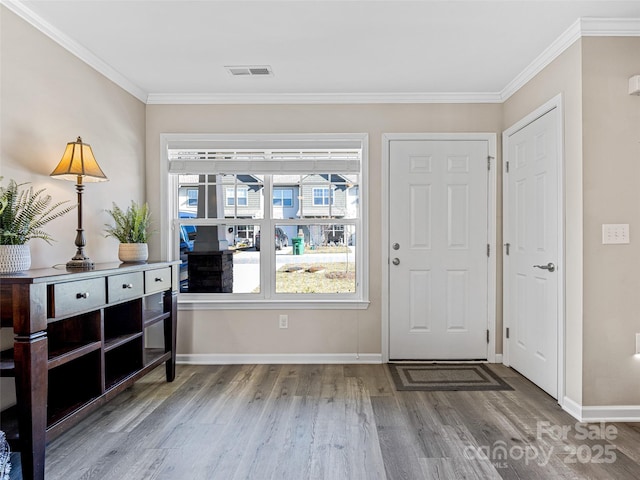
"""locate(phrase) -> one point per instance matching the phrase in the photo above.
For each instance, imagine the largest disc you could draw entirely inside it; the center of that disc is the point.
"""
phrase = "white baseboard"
(269, 358)
(606, 413)
(498, 358)
(572, 408)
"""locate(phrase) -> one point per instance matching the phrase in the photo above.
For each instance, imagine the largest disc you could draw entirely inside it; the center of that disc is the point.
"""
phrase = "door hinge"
(507, 246)
(489, 162)
(507, 332)
(488, 250)
(487, 336)
(507, 166)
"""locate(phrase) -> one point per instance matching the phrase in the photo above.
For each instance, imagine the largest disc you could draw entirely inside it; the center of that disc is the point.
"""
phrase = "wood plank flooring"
(337, 422)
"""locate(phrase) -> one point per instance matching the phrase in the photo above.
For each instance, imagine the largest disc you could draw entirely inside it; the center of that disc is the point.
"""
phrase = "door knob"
(549, 266)
(396, 261)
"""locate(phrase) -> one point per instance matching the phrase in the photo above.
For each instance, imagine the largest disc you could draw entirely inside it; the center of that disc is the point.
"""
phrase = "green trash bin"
(298, 245)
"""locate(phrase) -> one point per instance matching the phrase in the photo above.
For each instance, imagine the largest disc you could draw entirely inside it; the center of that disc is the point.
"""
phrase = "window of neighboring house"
(322, 196)
(309, 256)
(192, 197)
(236, 197)
(283, 197)
(245, 231)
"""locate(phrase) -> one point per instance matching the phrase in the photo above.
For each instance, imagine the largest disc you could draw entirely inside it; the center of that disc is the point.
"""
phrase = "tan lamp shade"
(78, 161)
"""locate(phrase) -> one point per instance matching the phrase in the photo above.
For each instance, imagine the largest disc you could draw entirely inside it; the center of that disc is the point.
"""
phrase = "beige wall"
(563, 76)
(310, 331)
(611, 168)
(48, 97)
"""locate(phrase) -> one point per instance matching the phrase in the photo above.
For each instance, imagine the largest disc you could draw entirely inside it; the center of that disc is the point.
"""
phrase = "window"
(236, 197)
(192, 197)
(282, 197)
(257, 236)
(322, 196)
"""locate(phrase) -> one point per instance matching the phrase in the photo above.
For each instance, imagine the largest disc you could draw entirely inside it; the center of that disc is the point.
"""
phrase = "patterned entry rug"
(445, 377)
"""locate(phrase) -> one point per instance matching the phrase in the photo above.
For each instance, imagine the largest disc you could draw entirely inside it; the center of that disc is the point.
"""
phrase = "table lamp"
(79, 165)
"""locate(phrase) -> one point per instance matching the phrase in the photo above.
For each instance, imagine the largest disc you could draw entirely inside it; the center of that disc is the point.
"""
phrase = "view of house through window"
(266, 234)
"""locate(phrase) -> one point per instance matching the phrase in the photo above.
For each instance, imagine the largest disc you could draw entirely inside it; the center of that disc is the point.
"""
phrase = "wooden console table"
(80, 339)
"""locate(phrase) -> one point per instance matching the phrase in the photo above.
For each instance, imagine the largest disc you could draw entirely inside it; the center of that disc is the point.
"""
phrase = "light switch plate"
(615, 233)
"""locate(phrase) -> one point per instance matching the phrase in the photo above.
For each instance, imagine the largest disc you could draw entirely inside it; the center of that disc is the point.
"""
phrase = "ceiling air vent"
(250, 70)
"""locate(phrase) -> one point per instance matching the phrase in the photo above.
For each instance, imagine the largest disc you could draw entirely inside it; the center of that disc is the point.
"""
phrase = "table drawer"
(157, 280)
(124, 287)
(79, 296)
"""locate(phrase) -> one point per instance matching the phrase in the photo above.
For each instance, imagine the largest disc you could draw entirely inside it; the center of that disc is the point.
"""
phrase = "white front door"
(531, 258)
(438, 231)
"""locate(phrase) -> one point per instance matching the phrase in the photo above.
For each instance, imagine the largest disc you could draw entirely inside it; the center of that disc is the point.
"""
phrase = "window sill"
(185, 303)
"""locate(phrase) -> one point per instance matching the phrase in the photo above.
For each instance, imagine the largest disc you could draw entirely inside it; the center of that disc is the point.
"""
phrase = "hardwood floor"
(296, 422)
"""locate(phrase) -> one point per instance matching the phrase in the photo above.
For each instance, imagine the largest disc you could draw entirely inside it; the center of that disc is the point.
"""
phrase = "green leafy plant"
(131, 225)
(25, 211)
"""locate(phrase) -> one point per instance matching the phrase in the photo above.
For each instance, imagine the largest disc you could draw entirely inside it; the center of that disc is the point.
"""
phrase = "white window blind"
(215, 161)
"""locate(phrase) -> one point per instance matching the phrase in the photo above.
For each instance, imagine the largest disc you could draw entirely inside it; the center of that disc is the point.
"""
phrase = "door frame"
(557, 104)
(491, 139)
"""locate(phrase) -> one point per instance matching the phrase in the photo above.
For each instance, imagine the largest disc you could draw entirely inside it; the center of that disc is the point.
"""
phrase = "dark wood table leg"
(31, 395)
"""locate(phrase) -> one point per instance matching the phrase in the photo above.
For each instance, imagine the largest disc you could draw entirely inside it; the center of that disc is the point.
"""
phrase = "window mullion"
(268, 260)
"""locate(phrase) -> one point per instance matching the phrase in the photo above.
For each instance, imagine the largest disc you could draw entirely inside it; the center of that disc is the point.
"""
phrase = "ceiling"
(166, 51)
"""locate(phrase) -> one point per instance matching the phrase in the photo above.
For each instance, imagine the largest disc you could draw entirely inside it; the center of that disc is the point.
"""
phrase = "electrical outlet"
(283, 321)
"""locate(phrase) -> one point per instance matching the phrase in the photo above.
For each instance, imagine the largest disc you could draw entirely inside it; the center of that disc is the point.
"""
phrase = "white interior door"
(531, 210)
(438, 209)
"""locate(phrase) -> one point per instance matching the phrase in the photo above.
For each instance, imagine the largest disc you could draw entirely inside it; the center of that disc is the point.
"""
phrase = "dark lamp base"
(85, 264)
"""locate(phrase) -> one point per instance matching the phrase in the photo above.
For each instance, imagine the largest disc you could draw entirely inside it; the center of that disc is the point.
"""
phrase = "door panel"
(531, 229)
(438, 217)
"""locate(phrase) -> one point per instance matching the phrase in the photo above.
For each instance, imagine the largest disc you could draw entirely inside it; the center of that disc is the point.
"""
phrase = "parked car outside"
(187, 237)
(187, 233)
(281, 239)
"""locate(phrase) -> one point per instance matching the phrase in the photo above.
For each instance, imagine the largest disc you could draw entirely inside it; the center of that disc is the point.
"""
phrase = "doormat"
(433, 377)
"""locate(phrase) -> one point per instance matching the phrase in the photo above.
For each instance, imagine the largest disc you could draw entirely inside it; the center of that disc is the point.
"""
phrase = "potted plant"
(23, 214)
(131, 229)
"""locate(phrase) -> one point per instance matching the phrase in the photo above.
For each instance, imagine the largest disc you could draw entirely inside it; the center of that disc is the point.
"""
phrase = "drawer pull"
(127, 285)
(82, 295)
(159, 279)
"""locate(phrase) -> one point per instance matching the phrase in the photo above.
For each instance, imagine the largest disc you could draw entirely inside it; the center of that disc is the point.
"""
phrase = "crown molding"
(319, 98)
(20, 9)
(583, 27)
(610, 27)
(552, 52)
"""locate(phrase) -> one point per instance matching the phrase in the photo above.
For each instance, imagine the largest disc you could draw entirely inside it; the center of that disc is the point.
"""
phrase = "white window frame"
(168, 220)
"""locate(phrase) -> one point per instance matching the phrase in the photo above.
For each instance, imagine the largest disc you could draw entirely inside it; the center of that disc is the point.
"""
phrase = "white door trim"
(491, 139)
(554, 103)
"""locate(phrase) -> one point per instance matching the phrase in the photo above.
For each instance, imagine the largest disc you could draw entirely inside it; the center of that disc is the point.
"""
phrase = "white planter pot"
(14, 258)
(133, 252)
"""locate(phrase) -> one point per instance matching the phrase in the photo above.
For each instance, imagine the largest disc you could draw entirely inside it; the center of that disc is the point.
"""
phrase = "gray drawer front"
(78, 296)
(125, 286)
(157, 280)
